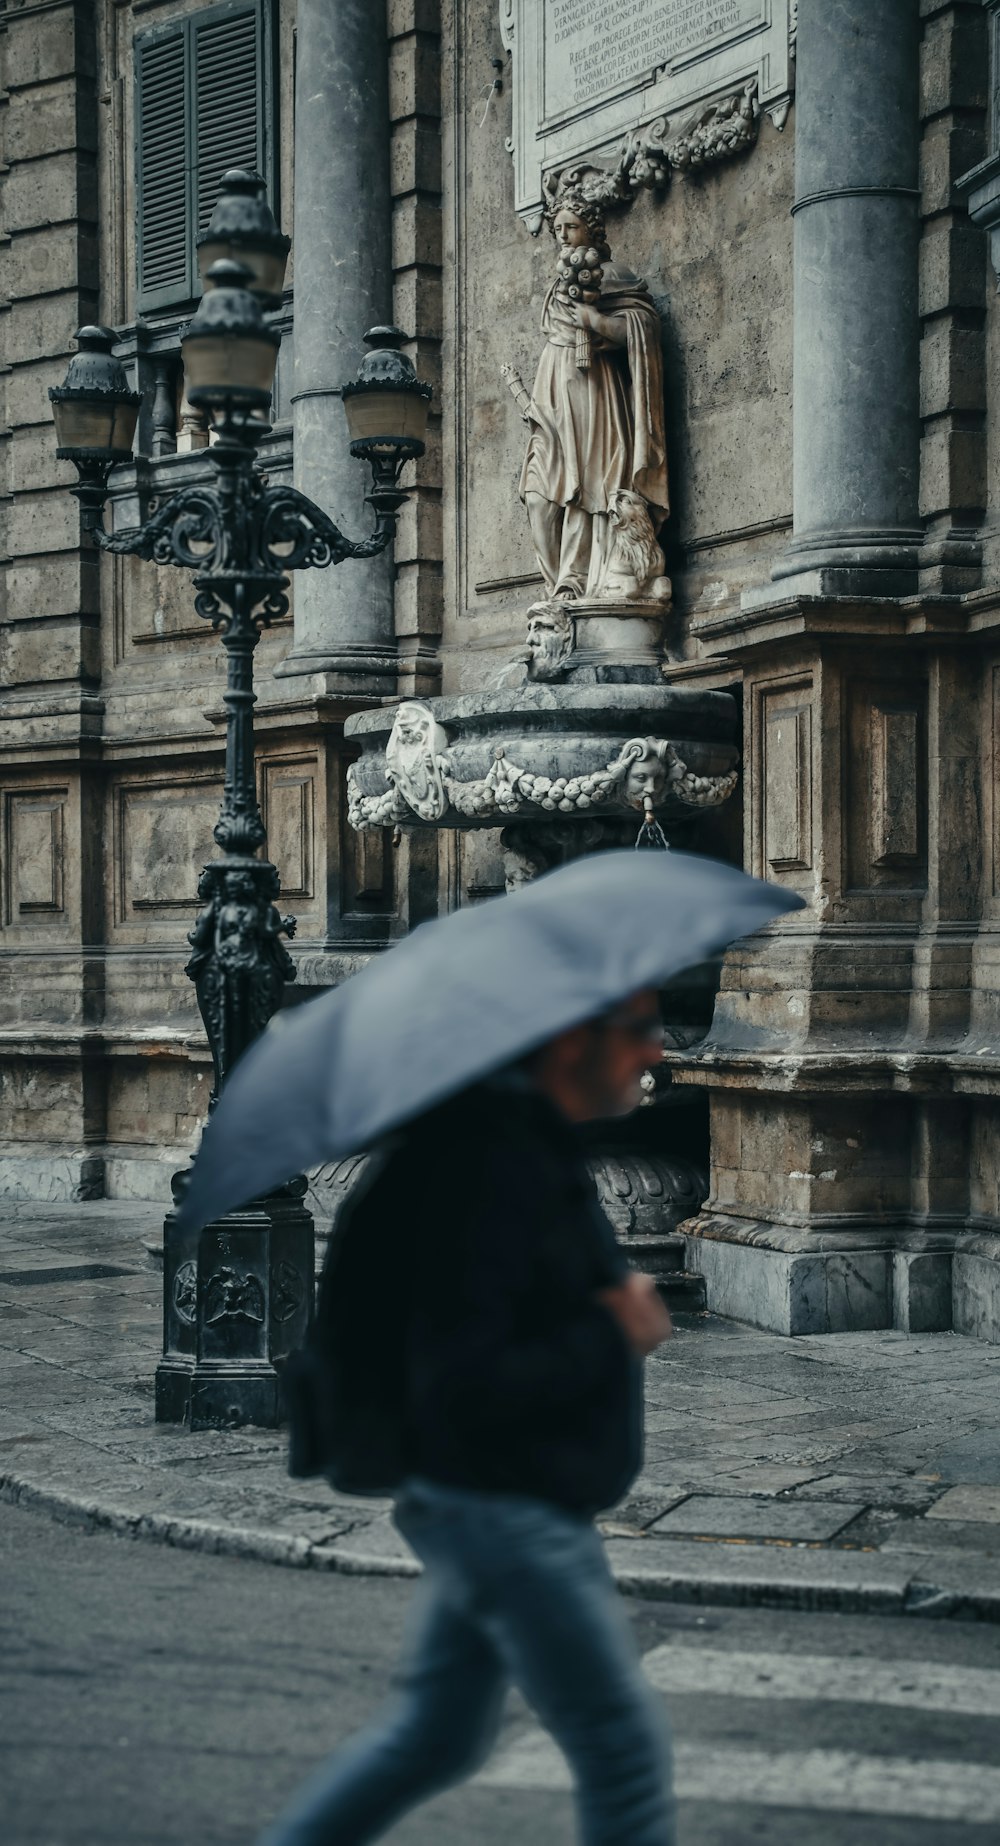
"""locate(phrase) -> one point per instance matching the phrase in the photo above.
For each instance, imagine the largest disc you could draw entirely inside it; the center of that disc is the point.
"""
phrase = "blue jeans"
(514, 1591)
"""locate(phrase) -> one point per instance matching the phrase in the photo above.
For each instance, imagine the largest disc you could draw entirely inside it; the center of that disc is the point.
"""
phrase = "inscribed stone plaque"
(594, 47)
(586, 72)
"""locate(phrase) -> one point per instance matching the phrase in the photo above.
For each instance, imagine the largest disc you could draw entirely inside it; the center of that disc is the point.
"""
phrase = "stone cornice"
(824, 1072)
(101, 1041)
(924, 619)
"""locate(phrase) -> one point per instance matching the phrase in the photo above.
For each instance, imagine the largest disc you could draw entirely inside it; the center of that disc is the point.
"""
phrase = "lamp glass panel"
(229, 362)
(85, 423)
(266, 266)
(123, 431)
(371, 414)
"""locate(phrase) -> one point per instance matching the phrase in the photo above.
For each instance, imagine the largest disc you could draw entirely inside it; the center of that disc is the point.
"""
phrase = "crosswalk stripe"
(844, 1781)
(919, 1685)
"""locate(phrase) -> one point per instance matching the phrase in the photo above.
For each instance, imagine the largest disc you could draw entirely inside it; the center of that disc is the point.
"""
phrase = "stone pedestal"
(238, 1298)
(617, 642)
(853, 1060)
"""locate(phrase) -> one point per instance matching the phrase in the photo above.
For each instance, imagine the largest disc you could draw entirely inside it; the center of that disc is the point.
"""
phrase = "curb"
(893, 1588)
(197, 1534)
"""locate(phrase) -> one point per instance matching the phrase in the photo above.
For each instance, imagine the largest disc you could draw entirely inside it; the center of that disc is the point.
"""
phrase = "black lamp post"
(237, 1298)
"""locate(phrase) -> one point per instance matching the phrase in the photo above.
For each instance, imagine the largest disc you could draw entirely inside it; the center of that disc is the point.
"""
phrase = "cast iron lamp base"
(237, 1299)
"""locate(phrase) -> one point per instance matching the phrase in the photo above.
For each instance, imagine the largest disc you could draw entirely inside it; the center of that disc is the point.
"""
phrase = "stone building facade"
(824, 281)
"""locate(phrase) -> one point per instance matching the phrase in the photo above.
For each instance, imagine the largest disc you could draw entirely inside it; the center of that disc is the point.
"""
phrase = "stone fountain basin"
(558, 731)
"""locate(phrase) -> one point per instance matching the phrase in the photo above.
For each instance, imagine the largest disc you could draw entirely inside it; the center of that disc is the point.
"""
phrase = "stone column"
(856, 380)
(343, 286)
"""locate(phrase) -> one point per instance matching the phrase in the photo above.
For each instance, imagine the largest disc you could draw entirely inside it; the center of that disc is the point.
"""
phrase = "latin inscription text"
(594, 46)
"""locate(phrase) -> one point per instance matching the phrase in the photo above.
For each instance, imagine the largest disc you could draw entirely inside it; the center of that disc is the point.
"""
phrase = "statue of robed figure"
(596, 411)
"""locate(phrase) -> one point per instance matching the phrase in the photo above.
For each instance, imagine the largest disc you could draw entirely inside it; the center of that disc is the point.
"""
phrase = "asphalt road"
(151, 1697)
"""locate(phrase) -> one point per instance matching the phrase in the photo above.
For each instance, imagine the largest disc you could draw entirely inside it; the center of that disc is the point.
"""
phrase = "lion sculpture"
(635, 564)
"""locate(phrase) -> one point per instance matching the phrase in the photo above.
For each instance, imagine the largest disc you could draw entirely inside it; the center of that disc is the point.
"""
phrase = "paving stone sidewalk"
(853, 1471)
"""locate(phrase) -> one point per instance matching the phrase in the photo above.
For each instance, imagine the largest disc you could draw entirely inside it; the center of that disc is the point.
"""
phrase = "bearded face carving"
(549, 641)
(416, 759)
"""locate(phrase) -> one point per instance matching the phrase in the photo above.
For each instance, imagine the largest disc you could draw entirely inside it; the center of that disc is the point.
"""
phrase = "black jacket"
(484, 1221)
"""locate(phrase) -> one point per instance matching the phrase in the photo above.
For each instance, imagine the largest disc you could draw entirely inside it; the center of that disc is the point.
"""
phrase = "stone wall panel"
(60, 189)
(162, 835)
(34, 854)
(45, 327)
(43, 1101)
(58, 585)
(156, 1102)
(50, 43)
(48, 650)
(48, 261)
(415, 157)
(786, 769)
(414, 75)
(48, 121)
(43, 521)
(886, 793)
(288, 800)
(33, 463)
(28, 403)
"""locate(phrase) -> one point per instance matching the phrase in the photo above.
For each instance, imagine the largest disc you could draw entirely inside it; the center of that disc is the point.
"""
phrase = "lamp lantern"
(386, 407)
(95, 412)
(242, 229)
(229, 351)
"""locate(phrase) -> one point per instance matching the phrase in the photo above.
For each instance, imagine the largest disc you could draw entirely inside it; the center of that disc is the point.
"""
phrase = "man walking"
(521, 1380)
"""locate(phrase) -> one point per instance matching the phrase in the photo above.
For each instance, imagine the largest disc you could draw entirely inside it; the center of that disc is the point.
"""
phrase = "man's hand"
(640, 1312)
(610, 327)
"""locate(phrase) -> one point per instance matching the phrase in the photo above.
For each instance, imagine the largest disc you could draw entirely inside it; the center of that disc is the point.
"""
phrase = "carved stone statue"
(238, 963)
(596, 412)
(634, 564)
(549, 640)
(647, 766)
(416, 759)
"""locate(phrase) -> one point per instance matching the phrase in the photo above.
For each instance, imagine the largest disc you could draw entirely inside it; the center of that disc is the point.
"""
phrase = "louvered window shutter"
(162, 171)
(228, 118)
(203, 104)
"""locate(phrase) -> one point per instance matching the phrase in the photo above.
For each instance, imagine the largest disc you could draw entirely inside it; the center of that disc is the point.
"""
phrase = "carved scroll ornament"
(650, 156)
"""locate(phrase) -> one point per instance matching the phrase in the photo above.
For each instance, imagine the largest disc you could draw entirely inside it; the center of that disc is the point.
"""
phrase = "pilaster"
(414, 28)
(51, 988)
(953, 97)
(844, 1130)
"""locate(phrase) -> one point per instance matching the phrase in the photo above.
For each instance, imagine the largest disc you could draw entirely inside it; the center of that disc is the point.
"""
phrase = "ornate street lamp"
(238, 1296)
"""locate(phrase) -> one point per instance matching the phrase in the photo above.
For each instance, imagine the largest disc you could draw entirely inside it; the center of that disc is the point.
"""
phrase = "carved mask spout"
(549, 641)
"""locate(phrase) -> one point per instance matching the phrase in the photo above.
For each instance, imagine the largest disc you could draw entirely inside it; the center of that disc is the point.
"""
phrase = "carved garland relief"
(646, 772)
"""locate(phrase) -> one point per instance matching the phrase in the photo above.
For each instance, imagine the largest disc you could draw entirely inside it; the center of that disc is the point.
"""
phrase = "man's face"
(569, 230)
(549, 639)
(616, 1052)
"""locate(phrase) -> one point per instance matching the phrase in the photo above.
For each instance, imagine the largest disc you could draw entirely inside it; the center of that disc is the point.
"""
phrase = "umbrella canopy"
(457, 999)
